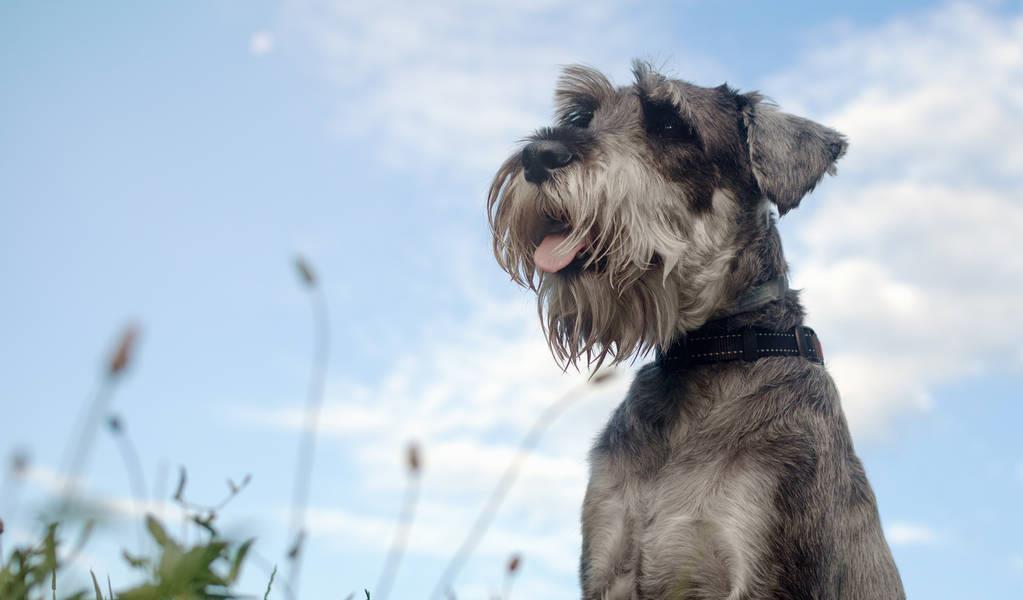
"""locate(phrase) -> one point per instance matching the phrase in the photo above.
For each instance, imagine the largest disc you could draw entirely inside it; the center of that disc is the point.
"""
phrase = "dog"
(643, 221)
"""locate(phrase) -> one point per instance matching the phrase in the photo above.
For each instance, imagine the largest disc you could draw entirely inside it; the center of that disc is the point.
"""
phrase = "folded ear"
(789, 154)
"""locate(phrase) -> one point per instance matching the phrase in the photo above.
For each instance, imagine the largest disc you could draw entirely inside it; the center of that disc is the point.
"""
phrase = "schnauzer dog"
(642, 220)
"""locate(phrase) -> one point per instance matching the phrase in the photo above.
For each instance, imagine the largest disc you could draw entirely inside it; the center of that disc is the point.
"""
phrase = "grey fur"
(790, 154)
(725, 481)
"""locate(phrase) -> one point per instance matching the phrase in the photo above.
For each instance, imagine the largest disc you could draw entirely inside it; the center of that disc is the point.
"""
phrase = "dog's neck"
(759, 281)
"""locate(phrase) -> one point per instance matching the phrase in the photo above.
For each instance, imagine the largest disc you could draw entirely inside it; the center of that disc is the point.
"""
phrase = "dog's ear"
(789, 154)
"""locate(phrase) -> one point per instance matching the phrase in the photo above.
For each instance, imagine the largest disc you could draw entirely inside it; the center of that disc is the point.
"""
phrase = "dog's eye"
(579, 118)
(664, 121)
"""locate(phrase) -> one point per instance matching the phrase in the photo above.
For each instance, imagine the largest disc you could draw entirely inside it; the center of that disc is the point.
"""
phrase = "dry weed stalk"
(413, 463)
(133, 467)
(314, 402)
(511, 473)
(77, 454)
(510, 571)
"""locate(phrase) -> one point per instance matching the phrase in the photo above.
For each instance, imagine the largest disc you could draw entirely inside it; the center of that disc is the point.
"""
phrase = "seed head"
(296, 547)
(514, 563)
(123, 353)
(413, 458)
(19, 463)
(603, 376)
(179, 491)
(305, 271)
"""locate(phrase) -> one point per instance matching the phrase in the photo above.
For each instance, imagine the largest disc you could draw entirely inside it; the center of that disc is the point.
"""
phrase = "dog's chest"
(692, 522)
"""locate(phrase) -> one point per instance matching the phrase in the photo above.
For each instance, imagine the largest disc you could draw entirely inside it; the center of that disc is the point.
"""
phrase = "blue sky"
(164, 163)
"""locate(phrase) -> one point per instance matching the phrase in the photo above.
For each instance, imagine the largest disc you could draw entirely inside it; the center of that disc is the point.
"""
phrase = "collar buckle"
(807, 343)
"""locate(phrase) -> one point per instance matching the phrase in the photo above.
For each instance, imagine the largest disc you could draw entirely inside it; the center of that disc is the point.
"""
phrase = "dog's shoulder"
(649, 407)
(783, 387)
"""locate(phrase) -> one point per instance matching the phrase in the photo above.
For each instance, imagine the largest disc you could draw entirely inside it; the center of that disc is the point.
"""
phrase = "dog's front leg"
(607, 569)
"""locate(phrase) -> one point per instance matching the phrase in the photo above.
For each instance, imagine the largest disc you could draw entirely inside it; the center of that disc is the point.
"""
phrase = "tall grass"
(401, 533)
(314, 403)
(210, 565)
(508, 478)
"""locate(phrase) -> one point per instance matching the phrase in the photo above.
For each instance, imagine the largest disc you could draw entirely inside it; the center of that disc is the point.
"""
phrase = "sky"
(163, 164)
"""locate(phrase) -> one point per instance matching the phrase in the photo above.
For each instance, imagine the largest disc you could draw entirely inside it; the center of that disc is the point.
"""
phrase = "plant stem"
(400, 541)
(486, 516)
(307, 444)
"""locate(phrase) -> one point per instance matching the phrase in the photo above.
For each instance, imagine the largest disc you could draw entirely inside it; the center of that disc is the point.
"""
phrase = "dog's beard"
(650, 268)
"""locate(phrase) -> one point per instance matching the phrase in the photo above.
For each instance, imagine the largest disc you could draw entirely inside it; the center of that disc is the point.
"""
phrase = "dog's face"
(627, 216)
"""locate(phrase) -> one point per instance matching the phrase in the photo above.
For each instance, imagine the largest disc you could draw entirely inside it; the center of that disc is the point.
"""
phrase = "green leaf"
(158, 532)
(191, 571)
(83, 536)
(239, 558)
(136, 562)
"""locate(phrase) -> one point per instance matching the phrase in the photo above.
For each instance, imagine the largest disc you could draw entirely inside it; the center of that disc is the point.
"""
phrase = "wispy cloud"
(438, 525)
(909, 258)
(454, 88)
(468, 398)
(901, 533)
(261, 42)
(53, 485)
(1016, 562)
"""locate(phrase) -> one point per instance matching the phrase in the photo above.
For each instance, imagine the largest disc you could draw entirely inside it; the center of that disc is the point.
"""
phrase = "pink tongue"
(546, 257)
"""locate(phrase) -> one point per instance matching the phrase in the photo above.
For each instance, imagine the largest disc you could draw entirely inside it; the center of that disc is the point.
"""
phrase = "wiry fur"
(732, 481)
(779, 140)
(646, 290)
(662, 270)
(726, 481)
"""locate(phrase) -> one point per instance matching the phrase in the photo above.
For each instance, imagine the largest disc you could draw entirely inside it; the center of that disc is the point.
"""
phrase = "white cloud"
(261, 42)
(944, 81)
(1016, 561)
(456, 86)
(910, 257)
(468, 398)
(438, 528)
(901, 533)
(912, 285)
(55, 486)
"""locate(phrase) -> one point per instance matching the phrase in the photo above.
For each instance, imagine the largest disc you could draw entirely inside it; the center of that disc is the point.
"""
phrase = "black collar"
(710, 344)
(714, 342)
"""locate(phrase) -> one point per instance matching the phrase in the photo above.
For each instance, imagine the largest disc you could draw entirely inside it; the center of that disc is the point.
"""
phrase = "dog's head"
(627, 216)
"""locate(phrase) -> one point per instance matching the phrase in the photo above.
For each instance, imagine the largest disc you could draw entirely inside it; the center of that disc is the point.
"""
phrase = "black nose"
(540, 158)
